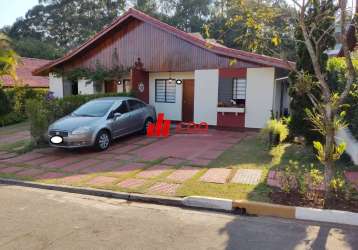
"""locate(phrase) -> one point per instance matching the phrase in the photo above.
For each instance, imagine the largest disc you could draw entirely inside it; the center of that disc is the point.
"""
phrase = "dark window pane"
(122, 108)
(133, 104)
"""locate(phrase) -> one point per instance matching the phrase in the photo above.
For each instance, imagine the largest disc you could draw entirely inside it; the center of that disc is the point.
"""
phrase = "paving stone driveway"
(131, 163)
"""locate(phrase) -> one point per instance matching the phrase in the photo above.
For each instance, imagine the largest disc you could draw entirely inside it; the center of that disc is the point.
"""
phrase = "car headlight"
(81, 130)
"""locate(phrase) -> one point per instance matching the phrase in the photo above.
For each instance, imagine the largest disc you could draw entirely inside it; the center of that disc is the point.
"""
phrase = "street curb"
(209, 203)
(98, 192)
(265, 209)
(322, 215)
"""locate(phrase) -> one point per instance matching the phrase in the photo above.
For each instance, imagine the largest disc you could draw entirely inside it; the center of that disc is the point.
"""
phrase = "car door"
(121, 125)
(137, 114)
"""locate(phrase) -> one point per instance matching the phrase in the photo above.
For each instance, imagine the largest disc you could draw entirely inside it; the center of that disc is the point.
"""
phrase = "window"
(123, 108)
(239, 89)
(94, 109)
(165, 91)
(133, 104)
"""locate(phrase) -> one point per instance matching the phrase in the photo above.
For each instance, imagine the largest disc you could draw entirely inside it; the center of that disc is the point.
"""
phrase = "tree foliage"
(263, 27)
(53, 27)
(300, 101)
(66, 23)
(8, 57)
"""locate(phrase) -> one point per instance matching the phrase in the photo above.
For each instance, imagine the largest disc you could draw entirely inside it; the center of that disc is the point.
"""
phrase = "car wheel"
(103, 140)
(146, 125)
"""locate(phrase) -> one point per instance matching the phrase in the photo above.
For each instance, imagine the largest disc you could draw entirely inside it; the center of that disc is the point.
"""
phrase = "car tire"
(146, 124)
(103, 140)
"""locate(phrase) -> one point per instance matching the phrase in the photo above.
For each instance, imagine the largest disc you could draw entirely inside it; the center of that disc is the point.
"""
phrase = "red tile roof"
(24, 74)
(213, 47)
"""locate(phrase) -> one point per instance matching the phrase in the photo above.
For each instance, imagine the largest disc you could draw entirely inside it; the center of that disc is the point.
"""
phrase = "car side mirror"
(116, 115)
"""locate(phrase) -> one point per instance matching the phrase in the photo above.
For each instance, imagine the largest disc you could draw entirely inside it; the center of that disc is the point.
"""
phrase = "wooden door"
(188, 101)
(110, 87)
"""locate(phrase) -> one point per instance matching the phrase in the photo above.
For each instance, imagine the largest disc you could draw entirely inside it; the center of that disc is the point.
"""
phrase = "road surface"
(41, 219)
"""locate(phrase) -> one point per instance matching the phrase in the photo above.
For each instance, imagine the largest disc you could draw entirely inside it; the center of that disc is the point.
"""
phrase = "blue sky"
(12, 9)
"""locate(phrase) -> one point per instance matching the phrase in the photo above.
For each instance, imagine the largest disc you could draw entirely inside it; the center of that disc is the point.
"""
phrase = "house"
(24, 74)
(183, 75)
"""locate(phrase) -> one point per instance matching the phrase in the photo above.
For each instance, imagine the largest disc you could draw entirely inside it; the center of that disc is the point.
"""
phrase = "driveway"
(133, 164)
(41, 219)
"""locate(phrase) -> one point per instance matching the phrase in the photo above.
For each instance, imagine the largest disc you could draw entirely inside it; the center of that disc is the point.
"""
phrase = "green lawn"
(252, 152)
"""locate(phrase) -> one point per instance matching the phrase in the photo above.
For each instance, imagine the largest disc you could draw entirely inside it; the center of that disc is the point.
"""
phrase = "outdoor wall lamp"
(178, 82)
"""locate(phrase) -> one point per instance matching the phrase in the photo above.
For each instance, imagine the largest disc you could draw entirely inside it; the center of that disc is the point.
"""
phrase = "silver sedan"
(99, 121)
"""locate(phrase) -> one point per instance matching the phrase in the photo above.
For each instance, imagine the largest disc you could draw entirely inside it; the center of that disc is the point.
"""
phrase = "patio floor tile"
(7, 156)
(351, 176)
(124, 149)
(153, 171)
(10, 170)
(131, 183)
(42, 160)
(216, 175)
(273, 179)
(80, 165)
(73, 179)
(30, 172)
(124, 157)
(51, 175)
(126, 169)
(200, 162)
(211, 154)
(247, 176)
(105, 156)
(104, 166)
(183, 174)
(24, 158)
(102, 181)
(60, 162)
(173, 161)
(164, 188)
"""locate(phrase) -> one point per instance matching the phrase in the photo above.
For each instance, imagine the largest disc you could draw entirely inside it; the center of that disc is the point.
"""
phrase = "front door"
(110, 87)
(188, 101)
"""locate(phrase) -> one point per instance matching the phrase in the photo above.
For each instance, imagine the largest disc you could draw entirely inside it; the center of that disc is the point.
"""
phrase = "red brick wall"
(139, 76)
(231, 120)
(231, 73)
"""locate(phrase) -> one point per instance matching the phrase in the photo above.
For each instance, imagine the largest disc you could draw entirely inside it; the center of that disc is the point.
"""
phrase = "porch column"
(140, 82)
(56, 85)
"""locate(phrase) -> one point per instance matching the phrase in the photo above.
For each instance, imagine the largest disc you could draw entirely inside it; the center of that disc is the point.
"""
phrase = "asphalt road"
(40, 219)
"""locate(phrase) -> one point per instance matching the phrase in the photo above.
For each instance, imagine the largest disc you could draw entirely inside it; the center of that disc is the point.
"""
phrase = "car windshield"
(94, 109)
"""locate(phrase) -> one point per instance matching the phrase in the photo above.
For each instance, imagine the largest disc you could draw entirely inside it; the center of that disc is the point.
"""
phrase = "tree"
(325, 115)
(254, 26)
(299, 125)
(66, 23)
(189, 15)
(8, 57)
(34, 48)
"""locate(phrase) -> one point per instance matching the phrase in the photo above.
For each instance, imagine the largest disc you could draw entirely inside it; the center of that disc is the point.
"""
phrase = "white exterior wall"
(259, 96)
(85, 87)
(56, 85)
(172, 111)
(206, 96)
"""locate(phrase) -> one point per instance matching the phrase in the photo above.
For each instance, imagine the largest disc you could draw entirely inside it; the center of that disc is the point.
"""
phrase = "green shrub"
(38, 116)
(11, 118)
(5, 106)
(42, 112)
(20, 93)
(277, 131)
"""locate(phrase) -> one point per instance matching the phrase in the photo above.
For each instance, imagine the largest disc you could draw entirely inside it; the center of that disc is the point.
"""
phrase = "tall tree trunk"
(329, 150)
